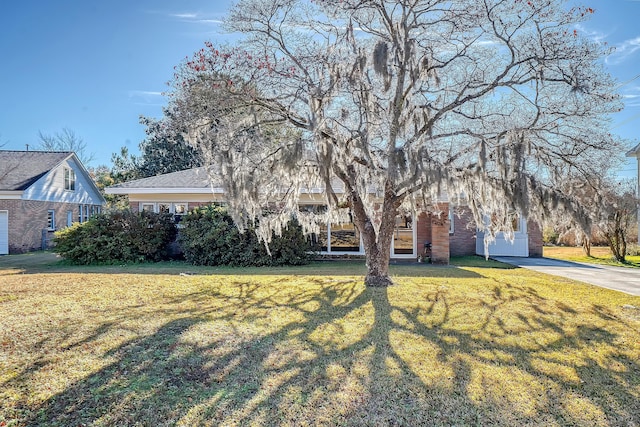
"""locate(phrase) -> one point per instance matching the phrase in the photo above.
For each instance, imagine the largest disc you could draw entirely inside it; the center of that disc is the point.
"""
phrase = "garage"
(502, 246)
(4, 232)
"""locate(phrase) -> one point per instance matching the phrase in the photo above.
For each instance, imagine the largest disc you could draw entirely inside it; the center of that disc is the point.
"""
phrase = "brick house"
(40, 192)
(451, 234)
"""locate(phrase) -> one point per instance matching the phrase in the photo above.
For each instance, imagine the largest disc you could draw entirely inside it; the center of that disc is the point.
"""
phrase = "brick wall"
(463, 239)
(28, 219)
(440, 236)
(423, 231)
(535, 239)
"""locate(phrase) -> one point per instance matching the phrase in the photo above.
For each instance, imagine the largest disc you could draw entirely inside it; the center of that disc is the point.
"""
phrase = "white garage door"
(4, 232)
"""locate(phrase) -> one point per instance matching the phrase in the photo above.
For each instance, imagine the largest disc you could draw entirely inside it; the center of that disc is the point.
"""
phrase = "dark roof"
(20, 169)
(190, 178)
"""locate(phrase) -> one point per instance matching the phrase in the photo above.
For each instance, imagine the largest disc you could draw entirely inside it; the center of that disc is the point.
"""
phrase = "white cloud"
(626, 49)
(146, 97)
(184, 15)
(595, 35)
(631, 96)
(196, 18)
(133, 93)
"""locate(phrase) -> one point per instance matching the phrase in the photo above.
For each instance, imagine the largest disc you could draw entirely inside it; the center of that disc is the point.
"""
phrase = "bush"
(209, 237)
(118, 236)
(633, 249)
(550, 236)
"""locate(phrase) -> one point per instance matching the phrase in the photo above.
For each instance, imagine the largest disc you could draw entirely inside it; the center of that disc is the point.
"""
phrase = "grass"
(170, 344)
(599, 255)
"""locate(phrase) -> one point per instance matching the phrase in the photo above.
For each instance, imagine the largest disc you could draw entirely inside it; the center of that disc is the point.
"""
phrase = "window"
(69, 179)
(86, 212)
(451, 219)
(51, 219)
(403, 235)
(164, 207)
(69, 218)
(344, 238)
(179, 209)
(148, 207)
(79, 213)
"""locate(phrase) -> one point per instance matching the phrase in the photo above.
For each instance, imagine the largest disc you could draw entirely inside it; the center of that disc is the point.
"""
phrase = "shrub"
(209, 237)
(550, 236)
(633, 249)
(118, 236)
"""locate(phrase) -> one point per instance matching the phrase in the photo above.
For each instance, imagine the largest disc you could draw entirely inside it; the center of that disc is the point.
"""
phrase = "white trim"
(10, 195)
(69, 178)
(51, 226)
(216, 190)
(156, 206)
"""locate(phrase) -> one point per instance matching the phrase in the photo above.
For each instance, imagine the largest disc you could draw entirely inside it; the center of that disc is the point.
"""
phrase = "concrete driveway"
(617, 278)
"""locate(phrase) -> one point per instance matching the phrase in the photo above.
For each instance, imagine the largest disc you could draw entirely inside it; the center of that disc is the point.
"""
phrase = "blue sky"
(96, 66)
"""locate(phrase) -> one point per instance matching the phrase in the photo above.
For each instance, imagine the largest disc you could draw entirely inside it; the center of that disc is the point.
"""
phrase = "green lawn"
(599, 255)
(170, 344)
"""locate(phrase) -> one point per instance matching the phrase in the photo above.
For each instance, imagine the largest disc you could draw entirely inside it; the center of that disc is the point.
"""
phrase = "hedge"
(117, 236)
(208, 236)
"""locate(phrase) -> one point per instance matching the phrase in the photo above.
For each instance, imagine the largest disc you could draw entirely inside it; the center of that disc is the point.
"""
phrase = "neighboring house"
(451, 235)
(40, 192)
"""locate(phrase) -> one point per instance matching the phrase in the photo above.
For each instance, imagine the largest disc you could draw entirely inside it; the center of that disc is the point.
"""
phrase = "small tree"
(396, 103)
(616, 216)
(605, 208)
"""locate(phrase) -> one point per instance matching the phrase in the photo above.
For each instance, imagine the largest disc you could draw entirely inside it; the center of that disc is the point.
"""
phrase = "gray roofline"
(634, 152)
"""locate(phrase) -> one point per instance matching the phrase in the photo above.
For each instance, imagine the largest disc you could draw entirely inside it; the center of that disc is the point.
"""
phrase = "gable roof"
(20, 169)
(189, 180)
(634, 152)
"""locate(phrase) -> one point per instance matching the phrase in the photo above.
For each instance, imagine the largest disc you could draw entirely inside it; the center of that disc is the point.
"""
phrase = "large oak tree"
(390, 106)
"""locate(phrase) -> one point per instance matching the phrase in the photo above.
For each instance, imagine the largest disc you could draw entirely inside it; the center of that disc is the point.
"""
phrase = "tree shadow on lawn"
(46, 262)
(343, 354)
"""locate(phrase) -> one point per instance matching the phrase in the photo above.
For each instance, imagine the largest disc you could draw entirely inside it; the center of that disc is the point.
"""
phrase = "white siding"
(51, 187)
(4, 232)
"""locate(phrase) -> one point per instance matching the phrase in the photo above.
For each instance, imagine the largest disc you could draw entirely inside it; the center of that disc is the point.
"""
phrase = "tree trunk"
(378, 254)
(586, 245)
(617, 240)
(377, 247)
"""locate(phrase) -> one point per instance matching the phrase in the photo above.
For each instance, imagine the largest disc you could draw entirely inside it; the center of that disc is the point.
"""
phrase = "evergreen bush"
(209, 237)
(117, 236)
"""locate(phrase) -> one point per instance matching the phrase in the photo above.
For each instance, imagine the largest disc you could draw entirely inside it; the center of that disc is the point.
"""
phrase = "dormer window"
(69, 179)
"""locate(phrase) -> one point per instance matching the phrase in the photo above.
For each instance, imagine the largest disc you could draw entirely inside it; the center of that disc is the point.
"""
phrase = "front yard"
(170, 344)
(599, 255)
